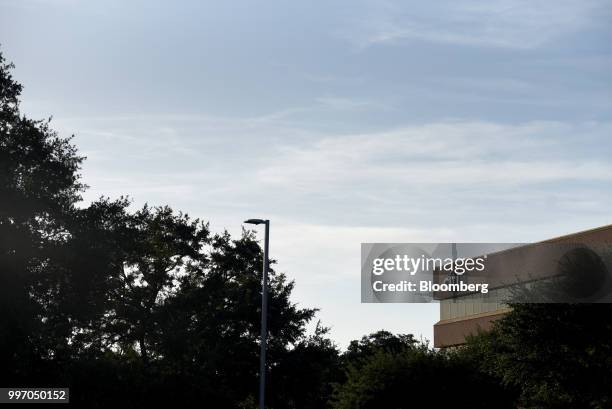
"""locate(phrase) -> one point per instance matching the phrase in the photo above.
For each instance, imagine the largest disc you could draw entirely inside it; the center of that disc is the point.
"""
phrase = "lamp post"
(264, 311)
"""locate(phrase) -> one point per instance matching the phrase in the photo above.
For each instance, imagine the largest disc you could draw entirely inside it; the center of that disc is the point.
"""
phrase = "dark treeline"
(139, 307)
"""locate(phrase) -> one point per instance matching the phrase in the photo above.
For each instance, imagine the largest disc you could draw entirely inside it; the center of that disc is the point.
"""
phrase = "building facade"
(460, 318)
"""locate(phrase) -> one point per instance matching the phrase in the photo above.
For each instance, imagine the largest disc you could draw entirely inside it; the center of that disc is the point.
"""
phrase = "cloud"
(474, 153)
(441, 174)
(309, 246)
(519, 24)
(431, 175)
(350, 104)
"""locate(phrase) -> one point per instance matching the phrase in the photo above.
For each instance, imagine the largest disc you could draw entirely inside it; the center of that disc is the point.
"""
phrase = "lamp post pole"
(264, 311)
(264, 320)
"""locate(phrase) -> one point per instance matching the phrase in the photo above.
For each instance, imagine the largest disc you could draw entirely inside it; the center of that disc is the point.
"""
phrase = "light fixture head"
(255, 221)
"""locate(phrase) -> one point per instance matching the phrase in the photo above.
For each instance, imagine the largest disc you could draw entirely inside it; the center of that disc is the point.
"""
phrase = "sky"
(340, 121)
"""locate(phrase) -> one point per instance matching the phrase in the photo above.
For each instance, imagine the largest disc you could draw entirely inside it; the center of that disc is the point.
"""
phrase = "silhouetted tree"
(375, 342)
(394, 371)
(305, 375)
(554, 355)
(39, 186)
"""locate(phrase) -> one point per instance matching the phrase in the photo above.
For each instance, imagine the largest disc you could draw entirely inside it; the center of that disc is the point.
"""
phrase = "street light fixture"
(264, 311)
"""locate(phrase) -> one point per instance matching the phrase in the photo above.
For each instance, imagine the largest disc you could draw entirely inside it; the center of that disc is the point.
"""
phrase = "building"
(460, 319)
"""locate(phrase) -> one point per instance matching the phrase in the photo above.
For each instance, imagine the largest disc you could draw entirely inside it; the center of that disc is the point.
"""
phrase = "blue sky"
(341, 121)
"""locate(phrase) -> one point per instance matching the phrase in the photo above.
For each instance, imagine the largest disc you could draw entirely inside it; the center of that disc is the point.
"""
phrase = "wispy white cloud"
(519, 24)
(351, 104)
(480, 168)
(440, 174)
(334, 79)
(475, 153)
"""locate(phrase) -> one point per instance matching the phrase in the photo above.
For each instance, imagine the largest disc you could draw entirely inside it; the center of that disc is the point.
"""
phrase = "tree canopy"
(553, 355)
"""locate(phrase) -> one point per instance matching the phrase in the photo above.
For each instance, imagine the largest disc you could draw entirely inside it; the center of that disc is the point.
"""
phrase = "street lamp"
(264, 311)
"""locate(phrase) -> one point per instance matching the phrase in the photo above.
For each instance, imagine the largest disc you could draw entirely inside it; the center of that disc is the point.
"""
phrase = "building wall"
(452, 332)
(458, 319)
(452, 310)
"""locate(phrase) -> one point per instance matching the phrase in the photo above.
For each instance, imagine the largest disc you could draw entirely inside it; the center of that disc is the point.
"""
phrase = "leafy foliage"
(554, 355)
(39, 186)
(394, 371)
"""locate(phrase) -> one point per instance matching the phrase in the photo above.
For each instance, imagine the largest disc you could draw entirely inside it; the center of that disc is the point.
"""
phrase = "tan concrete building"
(460, 318)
